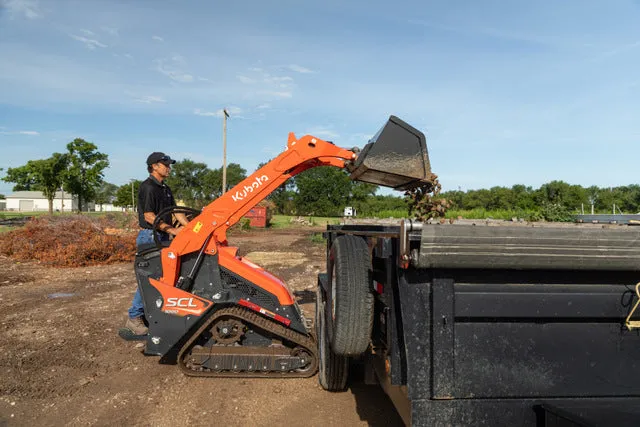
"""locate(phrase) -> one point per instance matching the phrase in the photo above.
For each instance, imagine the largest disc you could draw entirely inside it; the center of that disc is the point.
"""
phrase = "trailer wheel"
(350, 301)
(333, 370)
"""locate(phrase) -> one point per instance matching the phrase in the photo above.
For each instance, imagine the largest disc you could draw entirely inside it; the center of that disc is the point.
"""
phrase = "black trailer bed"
(468, 246)
(505, 325)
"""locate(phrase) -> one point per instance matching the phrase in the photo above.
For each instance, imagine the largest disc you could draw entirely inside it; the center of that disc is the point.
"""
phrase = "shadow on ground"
(372, 404)
(305, 297)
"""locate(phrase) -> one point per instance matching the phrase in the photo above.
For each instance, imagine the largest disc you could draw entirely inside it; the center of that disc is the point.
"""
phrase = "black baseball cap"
(158, 157)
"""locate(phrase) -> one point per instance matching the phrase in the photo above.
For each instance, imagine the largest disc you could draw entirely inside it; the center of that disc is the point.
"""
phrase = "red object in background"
(257, 216)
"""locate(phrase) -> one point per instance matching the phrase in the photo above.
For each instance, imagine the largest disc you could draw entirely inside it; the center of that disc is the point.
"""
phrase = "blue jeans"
(145, 237)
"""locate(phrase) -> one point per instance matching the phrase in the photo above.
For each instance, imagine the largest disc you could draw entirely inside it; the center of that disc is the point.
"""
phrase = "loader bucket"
(395, 157)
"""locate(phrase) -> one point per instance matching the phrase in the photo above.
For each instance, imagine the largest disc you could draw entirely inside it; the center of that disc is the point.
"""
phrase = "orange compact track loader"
(215, 313)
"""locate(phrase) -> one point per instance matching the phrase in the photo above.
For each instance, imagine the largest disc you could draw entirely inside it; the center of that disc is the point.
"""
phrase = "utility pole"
(133, 203)
(224, 150)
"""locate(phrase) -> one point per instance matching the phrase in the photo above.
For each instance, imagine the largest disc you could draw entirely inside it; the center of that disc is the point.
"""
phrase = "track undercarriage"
(235, 342)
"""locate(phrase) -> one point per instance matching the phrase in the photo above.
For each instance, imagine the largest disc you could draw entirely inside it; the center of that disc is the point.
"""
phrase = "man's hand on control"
(174, 231)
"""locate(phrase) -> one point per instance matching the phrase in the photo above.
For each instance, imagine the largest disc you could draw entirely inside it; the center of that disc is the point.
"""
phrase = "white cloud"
(87, 32)
(277, 94)
(277, 80)
(246, 80)
(20, 132)
(233, 111)
(110, 30)
(263, 106)
(128, 55)
(157, 38)
(173, 68)
(323, 132)
(203, 79)
(89, 43)
(361, 137)
(27, 8)
(299, 69)
(150, 99)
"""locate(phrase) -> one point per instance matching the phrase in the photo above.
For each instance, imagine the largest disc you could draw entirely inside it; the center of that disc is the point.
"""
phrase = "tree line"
(322, 191)
(553, 201)
(78, 171)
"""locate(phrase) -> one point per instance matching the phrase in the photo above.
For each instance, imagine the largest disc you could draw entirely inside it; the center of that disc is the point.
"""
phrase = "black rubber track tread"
(351, 329)
(240, 313)
(333, 370)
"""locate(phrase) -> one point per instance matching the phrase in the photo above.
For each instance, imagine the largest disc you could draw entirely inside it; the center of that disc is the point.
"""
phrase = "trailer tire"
(333, 370)
(350, 299)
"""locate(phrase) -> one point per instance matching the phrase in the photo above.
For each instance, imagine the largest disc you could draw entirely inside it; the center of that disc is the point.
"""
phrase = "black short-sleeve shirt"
(154, 196)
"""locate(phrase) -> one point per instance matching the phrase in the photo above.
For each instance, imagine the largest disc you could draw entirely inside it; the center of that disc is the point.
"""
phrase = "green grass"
(12, 214)
(395, 213)
(9, 214)
(317, 238)
(5, 228)
(284, 221)
(480, 213)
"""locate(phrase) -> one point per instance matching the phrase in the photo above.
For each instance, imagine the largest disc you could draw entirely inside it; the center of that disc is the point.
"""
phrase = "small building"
(349, 211)
(33, 201)
(258, 216)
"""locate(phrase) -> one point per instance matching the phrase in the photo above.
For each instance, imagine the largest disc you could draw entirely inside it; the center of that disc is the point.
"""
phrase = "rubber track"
(304, 341)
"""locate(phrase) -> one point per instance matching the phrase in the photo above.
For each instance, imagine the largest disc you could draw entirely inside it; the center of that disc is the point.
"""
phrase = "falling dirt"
(62, 362)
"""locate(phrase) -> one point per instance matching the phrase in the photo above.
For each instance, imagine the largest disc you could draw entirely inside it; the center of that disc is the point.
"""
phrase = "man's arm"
(162, 226)
(182, 219)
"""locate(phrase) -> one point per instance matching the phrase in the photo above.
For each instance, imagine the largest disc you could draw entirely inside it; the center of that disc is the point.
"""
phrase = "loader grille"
(257, 295)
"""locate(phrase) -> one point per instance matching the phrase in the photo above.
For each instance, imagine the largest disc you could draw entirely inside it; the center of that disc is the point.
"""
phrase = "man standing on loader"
(154, 195)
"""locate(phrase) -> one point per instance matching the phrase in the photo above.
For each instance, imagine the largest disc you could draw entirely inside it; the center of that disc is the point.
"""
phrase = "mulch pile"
(72, 240)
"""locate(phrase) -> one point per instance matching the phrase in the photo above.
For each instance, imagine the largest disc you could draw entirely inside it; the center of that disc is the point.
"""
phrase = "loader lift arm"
(217, 217)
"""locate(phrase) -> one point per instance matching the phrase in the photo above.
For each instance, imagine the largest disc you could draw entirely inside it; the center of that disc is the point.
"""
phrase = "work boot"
(136, 325)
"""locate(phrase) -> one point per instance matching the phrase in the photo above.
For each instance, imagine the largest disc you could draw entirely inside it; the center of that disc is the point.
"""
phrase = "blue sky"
(506, 92)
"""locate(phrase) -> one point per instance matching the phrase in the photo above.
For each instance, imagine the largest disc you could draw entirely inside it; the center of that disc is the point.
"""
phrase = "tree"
(523, 197)
(126, 196)
(322, 191)
(282, 197)
(45, 175)
(187, 182)
(106, 193)
(85, 173)
(22, 178)
(360, 194)
(213, 181)
(196, 185)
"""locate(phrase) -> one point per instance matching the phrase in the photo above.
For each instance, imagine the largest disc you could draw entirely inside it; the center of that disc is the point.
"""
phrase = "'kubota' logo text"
(181, 302)
(248, 189)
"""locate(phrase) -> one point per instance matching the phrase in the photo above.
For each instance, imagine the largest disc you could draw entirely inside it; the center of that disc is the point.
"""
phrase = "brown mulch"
(71, 240)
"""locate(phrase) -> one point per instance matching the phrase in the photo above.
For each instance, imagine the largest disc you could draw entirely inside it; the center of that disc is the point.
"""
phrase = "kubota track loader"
(216, 313)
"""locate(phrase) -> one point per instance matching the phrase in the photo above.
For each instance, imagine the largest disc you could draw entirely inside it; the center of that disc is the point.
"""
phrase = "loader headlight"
(159, 302)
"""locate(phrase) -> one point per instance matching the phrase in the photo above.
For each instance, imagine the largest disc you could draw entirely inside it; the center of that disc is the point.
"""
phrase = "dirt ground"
(62, 363)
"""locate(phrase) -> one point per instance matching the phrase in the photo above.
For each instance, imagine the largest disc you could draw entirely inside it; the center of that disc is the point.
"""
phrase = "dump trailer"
(472, 324)
(477, 324)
